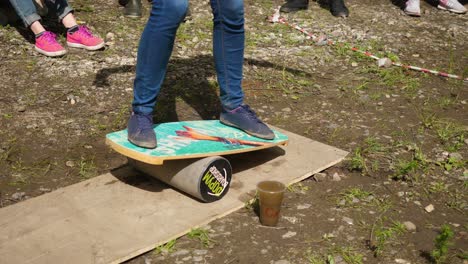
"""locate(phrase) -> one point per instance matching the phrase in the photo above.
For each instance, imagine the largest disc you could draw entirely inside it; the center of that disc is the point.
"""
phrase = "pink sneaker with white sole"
(47, 44)
(84, 39)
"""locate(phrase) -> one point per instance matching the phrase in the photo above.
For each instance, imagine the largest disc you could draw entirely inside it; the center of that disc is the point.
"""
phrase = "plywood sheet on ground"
(119, 215)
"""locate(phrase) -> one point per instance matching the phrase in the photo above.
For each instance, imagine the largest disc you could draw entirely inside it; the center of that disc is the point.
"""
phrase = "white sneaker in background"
(412, 8)
(452, 6)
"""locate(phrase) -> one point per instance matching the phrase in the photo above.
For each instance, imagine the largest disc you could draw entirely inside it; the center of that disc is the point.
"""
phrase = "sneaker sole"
(250, 133)
(142, 144)
(81, 46)
(51, 53)
(451, 10)
(409, 13)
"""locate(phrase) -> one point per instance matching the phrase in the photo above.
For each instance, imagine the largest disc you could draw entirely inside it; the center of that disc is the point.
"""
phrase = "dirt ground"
(401, 195)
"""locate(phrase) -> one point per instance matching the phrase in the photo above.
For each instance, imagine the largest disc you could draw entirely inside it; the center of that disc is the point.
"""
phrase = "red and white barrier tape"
(323, 40)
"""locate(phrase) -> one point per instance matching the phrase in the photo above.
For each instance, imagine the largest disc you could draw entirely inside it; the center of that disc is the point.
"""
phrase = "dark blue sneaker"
(140, 130)
(245, 119)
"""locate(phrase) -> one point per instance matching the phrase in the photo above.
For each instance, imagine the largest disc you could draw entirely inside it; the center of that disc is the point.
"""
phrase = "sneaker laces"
(251, 113)
(84, 30)
(49, 37)
(145, 121)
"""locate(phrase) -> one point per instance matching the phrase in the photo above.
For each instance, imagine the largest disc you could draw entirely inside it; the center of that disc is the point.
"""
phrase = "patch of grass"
(428, 120)
(202, 236)
(384, 235)
(297, 188)
(445, 102)
(313, 258)
(373, 145)
(87, 168)
(120, 119)
(382, 204)
(437, 187)
(10, 146)
(441, 244)
(457, 143)
(353, 194)
(357, 161)
(463, 255)
(447, 131)
(405, 169)
(452, 163)
(165, 248)
(458, 200)
(349, 255)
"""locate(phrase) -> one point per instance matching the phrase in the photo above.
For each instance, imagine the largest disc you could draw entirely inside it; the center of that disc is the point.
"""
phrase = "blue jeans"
(26, 10)
(157, 41)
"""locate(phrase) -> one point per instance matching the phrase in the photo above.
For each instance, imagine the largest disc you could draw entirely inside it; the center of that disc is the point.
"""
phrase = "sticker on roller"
(215, 180)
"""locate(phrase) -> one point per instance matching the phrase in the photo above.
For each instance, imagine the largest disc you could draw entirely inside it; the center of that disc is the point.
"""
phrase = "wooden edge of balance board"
(159, 160)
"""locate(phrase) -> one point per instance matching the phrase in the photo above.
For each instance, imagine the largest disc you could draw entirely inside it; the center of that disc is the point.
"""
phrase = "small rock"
(44, 190)
(70, 163)
(409, 226)
(180, 253)
(384, 62)
(401, 194)
(18, 196)
(354, 64)
(289, 234)
(402, 261)
(291, 219)
(348, 220)
(320, 176)
(303, 206)
(48, 131)
(336, 177)
(283, 261)
(110, 36)
(21, 108)
(200, 252)
(197, 258)
(429, 208)
(286, 109)
(456, 156)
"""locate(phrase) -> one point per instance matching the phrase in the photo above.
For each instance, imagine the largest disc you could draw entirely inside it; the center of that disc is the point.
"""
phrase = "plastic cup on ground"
(270, 195)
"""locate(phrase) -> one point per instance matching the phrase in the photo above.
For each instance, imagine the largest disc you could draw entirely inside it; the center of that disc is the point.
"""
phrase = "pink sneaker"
(83, 38)
(47, 44)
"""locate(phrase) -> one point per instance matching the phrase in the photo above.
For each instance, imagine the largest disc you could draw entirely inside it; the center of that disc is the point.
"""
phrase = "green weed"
(350, 195)
(373, 145)
(452, 163)
(405, 169)
(384, 235)
(441, 244)
(202, 236)
(165, 248)
(457, 200)
(357, 161)
(87, 168)
(349, 255)
(437, 187)
(313, 258)
(428, 120)
(447, 130)
(457, 143)
(297, 188)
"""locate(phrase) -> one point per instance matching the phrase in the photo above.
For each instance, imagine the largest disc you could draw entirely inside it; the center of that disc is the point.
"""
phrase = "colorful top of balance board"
(192, 139)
